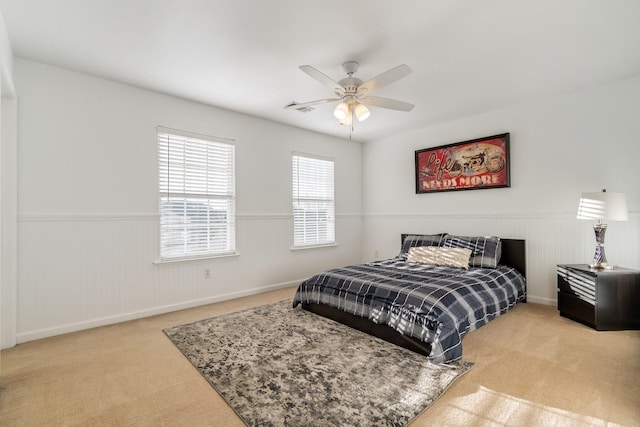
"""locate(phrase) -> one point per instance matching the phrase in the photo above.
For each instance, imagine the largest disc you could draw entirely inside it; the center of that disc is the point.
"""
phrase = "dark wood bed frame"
(513, 255)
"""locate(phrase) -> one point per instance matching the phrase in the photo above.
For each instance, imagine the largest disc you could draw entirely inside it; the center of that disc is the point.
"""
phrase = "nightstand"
(602, 299)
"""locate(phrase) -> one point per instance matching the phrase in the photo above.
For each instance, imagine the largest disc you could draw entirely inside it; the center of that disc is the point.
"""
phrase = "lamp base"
(600, 266)
(599, 258)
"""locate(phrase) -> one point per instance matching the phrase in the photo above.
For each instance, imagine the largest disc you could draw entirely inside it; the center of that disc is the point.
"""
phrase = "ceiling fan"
(353, 93)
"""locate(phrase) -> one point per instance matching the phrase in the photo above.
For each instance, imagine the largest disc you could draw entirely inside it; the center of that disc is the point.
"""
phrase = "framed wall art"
(468, 165)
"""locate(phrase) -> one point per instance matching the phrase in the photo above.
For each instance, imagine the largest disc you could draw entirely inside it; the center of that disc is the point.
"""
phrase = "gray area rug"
(278, 366)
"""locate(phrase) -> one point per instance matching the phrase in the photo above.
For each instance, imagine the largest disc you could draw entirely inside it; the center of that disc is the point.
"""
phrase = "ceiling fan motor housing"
(350, 86)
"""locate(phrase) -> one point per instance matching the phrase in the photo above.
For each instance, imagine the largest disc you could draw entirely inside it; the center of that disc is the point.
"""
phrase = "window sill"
(302, 248)
(195, 260)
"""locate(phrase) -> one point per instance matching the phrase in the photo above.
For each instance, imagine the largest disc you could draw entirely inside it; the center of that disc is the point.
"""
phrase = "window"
(313, 204)
(197, 195)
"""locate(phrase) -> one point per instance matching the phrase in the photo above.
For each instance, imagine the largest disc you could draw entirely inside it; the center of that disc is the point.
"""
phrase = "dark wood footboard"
(365, 325)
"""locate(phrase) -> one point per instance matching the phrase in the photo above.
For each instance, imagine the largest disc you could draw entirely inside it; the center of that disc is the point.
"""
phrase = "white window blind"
(197, 195)
(313, 201)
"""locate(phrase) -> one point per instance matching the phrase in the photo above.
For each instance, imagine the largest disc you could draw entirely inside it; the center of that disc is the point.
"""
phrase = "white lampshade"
(342, 111)
(603, 206)
(347, 120)
(362, 112)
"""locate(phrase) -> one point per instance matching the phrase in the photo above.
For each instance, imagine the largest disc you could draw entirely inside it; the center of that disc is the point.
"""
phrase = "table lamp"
(602, 206)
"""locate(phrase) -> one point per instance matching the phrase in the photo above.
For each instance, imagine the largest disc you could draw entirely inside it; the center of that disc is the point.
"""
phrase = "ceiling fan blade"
(384, 79)
(296, 106)
(322, 78)
(386, 103)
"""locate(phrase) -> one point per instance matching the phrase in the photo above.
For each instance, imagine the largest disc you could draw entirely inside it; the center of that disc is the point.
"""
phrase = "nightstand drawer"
(576, 282)
(577, 309)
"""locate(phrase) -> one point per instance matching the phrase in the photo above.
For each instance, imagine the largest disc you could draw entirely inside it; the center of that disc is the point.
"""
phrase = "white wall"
(560, 146)
(8, 193)
(87, 208)
(8, 221)
(6, 60)
(87, 200)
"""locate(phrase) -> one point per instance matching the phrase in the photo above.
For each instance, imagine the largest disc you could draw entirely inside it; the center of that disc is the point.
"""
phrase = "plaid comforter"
(437, 305)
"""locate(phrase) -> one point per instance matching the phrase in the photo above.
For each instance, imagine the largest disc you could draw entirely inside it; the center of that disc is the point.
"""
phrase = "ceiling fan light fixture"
(362, 112)
(346, 121)
(350, 91)
(342, 111)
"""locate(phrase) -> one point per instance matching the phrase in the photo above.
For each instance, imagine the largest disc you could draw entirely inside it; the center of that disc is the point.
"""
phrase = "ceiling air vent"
(303, 109)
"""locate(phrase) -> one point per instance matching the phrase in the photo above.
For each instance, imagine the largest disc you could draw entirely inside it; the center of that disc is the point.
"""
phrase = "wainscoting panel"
(77, 272)
(551, 239)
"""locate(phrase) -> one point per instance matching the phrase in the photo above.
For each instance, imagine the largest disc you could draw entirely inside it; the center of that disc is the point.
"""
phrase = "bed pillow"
(433, 255)
(417, 240)
(485, 251)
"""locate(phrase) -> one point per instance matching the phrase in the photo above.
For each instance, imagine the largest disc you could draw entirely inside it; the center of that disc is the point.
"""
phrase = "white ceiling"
(467, 56)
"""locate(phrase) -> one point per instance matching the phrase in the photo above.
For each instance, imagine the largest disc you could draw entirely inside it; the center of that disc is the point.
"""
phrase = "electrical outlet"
(207, 273)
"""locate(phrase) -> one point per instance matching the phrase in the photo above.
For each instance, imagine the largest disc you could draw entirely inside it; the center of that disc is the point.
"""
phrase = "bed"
(424, 299)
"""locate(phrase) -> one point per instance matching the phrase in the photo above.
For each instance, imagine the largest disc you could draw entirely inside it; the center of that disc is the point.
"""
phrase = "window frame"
(206, 199)
(330, 215)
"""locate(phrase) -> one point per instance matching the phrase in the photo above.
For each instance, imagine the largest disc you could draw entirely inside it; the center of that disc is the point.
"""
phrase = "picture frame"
(475, 164)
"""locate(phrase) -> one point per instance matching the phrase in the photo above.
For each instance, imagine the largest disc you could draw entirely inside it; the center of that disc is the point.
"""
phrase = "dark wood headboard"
(513, 253)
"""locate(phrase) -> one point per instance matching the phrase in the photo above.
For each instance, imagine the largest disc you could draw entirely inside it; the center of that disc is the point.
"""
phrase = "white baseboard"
(109, 320)
(539, 300)
(94, 323)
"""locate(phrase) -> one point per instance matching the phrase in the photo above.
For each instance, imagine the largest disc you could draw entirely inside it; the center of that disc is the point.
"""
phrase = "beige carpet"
(532, 368)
